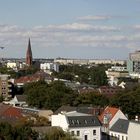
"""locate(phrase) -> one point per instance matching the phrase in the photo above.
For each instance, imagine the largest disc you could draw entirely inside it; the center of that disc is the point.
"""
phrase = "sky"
(85, 29)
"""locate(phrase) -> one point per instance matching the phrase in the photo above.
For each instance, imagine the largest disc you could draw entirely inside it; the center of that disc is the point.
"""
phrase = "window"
(118, 137)
(122, 137)
(94, 132)
(126, 138)
(78, 133)
(72, 133)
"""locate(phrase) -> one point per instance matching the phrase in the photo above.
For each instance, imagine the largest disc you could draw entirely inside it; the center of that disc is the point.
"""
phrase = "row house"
(125, 130)
(80, 125)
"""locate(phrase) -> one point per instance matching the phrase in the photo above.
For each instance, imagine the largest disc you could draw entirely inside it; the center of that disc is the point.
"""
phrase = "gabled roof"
(12, 112)
(84, 109)
(110, 112)
(83, 121)
(121, 126)
(75, 113)
(3, 108)
(65, 108)
(21, 98)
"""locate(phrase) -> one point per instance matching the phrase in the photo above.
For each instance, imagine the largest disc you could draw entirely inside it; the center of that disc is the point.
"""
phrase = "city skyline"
(82, 29)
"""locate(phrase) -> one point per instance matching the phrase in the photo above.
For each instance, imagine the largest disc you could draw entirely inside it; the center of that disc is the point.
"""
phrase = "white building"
(120, 129)
(125, 130)
(109, 117)
(80, 125)
(66, 61)
(12, 65)
(134, 130)
(18, 100)
(49, 66)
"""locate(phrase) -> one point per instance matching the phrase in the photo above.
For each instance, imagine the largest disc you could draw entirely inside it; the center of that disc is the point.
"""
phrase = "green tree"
(86, 74)
(94, 99)
(58, 134)
(128, 101)
(52, 96)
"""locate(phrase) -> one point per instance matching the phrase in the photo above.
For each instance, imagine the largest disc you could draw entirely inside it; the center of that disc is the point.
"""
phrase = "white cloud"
(76, 27)
(68, 35)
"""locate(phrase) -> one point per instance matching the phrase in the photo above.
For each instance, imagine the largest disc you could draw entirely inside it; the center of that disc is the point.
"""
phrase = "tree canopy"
(94, 99)
(84, 74)
(128, 101)
(58, 134)
(23, 132)
(49, 96)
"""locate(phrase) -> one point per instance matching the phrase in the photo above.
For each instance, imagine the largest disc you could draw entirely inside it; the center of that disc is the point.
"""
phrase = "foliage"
(27, 71)
(52, 96)
(17, 74)
(8, 132)
(94, 99)
(9, 71)
(128, 101)
(1, 98)
(86, 74)
(58, 134)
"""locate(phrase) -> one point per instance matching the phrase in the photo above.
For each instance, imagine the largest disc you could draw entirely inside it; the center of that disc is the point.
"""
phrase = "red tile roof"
(111, 111)
(12, 112)
(32, 78)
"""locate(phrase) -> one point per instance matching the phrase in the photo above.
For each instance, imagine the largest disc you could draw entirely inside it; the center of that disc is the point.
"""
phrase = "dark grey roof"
(65, 108)
(120, 126)
(21, 98)
(83, 121)
(81, 109)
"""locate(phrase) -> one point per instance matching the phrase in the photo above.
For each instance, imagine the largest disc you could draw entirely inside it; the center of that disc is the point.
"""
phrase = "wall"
(134, 131)
(59, 120)
(87, 131)
(120, 136)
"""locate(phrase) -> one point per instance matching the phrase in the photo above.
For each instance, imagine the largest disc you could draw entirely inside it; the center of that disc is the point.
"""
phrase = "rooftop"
(83, 121)
(121, 126)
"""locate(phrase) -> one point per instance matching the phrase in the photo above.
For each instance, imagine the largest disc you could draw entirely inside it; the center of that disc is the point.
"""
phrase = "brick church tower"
(29, 54)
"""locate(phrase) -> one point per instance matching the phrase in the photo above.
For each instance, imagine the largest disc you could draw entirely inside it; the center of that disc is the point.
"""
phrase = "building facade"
(80, 125)
(4, 85)
(133, 63)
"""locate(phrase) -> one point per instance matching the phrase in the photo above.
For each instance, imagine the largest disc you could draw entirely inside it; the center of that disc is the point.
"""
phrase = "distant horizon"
(66, 58)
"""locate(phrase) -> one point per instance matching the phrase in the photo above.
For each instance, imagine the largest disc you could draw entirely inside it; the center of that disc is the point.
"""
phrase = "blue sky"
(70, 28)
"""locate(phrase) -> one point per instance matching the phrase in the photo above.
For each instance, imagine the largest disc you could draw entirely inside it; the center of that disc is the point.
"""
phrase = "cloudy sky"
(70, 28)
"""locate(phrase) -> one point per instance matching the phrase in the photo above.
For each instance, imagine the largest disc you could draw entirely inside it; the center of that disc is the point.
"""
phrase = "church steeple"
(29, 54)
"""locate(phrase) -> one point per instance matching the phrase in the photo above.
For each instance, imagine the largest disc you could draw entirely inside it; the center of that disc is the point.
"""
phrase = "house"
(10, 114)
(120, 130)
(33, 78)
(83, 109)
(109, 116)
(18, 100)
(80, 125)
(109, 91)
(125, 130)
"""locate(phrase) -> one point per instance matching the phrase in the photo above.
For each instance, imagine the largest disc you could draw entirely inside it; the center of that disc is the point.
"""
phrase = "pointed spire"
(29, 54)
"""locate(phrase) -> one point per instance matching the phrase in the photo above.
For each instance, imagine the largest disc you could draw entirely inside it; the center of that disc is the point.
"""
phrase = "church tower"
(29, 54)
